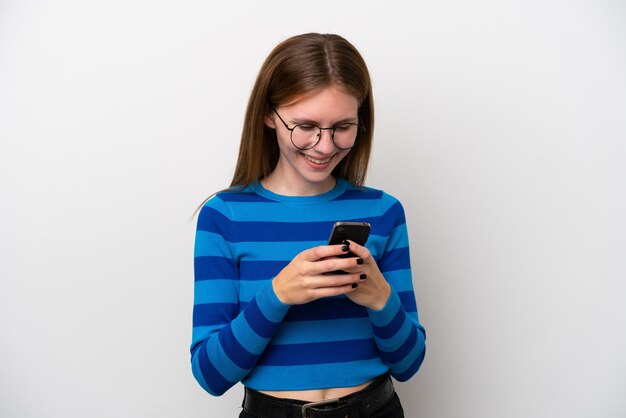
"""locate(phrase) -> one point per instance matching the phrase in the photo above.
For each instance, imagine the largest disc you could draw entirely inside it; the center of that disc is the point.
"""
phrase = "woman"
(271, 309)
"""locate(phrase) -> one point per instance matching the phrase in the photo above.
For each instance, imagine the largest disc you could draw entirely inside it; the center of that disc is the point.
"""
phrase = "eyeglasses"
(307, 135)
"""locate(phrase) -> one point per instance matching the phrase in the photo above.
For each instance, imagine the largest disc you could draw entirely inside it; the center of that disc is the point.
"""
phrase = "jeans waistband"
(358, 404)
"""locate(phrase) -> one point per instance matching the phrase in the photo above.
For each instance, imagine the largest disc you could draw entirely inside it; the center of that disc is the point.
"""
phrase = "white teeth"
(315, 160)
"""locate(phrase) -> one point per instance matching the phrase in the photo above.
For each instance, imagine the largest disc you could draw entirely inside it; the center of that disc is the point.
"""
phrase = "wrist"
(380, 303)
(279, 294)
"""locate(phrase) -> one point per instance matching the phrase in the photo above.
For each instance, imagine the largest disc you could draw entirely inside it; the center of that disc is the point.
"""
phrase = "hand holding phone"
(300, 282)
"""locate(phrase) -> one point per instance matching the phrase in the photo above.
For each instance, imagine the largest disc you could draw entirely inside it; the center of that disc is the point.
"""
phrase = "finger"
(328, 266)
(360, 251)
(334, 280)
(324, 292)
(355, 265)
(323, 251)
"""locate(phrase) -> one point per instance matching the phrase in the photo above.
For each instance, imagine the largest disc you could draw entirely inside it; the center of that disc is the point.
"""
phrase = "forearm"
(225, 356)
(399, 337)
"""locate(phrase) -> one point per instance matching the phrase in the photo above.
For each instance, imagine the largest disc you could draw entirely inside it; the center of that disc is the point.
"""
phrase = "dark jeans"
(393, 409)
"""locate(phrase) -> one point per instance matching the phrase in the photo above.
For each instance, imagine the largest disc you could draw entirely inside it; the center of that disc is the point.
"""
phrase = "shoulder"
(384, 199)
(235, 194)
(220, 204)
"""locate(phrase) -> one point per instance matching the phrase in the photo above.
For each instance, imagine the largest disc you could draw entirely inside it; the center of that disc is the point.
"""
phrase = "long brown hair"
(298, 67)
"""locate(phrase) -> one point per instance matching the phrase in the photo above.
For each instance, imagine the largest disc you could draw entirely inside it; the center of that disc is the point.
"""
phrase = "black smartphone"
(358, 232)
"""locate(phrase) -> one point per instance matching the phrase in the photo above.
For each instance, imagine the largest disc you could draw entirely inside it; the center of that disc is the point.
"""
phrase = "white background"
(501, 126)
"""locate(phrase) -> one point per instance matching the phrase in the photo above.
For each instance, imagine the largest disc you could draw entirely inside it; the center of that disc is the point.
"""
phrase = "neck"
(287, 188)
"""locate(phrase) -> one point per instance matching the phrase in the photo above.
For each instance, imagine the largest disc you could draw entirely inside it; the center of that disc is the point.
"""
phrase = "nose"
(325, 144)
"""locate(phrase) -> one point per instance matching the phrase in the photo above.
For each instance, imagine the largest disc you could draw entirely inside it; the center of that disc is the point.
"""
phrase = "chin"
(319, 177)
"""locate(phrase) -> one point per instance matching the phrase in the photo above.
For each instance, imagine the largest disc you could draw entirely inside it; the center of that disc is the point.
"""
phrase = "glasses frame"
(319, 138)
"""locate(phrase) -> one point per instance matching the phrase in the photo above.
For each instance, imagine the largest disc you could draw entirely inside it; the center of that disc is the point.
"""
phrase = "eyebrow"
(300, 121)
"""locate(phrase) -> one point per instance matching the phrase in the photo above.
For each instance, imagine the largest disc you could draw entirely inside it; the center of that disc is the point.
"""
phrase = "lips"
(317, 160)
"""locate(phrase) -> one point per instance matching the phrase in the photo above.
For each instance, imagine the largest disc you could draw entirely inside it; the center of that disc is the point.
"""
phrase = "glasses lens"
(345, 135)
(307, 136)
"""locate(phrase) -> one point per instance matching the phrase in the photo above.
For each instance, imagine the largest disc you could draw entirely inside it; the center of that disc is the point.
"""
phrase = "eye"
(308, 128)
(344, 127)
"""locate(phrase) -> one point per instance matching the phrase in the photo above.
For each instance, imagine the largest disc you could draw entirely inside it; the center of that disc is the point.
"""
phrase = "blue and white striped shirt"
(243, 332)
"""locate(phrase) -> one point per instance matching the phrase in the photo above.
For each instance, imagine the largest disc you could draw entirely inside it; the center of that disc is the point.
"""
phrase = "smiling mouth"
(318, 161)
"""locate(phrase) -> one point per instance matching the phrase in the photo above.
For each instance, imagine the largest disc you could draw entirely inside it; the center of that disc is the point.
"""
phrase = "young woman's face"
(308, 172)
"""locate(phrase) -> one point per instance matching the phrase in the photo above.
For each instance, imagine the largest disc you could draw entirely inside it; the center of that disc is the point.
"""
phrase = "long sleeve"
(397, 331)
(227, 341)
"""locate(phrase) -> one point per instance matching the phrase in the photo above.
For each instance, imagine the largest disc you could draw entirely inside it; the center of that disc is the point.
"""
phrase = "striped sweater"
(243, 332)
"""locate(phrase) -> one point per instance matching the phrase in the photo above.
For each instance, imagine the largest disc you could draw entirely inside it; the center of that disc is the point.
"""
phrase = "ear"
(269, 120)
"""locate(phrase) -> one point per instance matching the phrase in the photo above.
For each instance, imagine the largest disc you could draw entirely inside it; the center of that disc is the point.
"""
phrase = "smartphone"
(354, 231)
